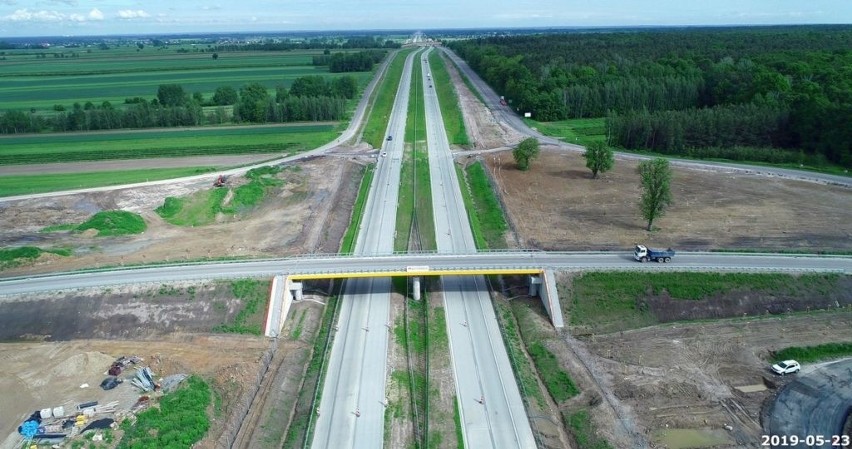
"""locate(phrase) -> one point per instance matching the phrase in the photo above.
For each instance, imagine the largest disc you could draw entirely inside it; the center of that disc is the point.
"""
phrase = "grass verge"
(609, 302)
(581, 427)
(449, 101)
(180, 420)
(300, 429)
(457, 419)
(556, 380)
(114, 222)
(250, 319)
(525, 374)
(486, 219)
(347, 246)
(377, 123)
(808, 354)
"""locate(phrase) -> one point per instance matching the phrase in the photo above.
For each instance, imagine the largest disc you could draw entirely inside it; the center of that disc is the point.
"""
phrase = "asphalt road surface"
(814, 405)
(330, 265)
(491, 410)
(351, 410)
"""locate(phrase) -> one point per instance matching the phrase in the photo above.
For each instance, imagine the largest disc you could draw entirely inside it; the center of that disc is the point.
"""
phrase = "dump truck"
(644, 254)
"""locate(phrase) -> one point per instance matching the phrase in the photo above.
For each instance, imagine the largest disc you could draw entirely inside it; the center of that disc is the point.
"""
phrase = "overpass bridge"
(329, 266)
(287, 288)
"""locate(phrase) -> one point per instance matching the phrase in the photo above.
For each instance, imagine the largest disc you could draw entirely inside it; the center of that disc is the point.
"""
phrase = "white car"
(786, 367)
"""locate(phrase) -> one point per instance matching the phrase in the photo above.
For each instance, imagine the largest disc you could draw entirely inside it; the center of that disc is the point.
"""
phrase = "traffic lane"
(335, 420)
(309, 264)
(502, 399)
(472, 415)
(371, 386)
(815, 404)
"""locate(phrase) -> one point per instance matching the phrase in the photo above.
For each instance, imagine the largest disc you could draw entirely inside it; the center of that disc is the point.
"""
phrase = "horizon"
(75, 18)
(390, 31)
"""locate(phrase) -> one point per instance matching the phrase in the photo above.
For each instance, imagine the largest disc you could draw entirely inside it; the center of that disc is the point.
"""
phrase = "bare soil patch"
(557, 206)
(484, 130)
(308, 214)
(36, 375)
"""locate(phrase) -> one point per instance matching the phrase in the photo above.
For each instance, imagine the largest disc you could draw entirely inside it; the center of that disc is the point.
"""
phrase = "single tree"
(215, 56)
(172, 95)
(656, 178)
(599, 158)
(225, 95)
(525, 152)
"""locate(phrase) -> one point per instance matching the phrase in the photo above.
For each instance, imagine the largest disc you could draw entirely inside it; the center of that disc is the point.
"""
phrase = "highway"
(378, 265)
(491, 409)
(351, 409)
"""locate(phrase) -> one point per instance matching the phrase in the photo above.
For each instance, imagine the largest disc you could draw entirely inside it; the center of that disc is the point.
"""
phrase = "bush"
(115, 222)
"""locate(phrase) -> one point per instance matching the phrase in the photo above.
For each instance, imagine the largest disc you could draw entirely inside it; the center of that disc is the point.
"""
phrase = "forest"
(685, 91)
(310, 98)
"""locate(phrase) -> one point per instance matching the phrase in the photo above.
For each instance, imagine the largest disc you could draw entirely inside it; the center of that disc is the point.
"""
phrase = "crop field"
(30, 184)
(30, 83)
(34, 149)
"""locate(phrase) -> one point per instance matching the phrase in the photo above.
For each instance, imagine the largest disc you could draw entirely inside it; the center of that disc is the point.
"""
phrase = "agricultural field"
(28, 82)
(36, 149)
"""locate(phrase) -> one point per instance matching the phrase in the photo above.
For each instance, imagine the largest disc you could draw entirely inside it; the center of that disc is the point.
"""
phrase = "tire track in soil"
(626, 432)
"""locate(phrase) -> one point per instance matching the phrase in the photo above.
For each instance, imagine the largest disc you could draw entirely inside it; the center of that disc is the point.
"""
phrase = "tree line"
(310, 44)
(309, 98)
(795, 79)
(362, 61)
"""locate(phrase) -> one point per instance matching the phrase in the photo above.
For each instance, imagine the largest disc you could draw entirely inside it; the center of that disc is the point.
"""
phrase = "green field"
(27, 82)
(484, 210)
(449, 101)
(45, 148)
(578, 131)
(608, 302)
(29, 184)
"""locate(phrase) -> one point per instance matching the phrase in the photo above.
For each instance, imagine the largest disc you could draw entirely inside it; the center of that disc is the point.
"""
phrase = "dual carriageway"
(351, 409)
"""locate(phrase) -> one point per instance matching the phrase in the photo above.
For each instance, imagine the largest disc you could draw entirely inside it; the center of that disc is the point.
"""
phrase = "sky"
(20, 18)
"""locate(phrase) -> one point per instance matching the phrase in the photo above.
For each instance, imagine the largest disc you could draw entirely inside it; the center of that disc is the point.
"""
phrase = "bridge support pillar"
(550, 298)
(296, 288)
(535, 281)
(415, 287)
(280, 298)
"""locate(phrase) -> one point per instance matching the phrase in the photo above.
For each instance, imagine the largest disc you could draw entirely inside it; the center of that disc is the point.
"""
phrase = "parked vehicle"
(644, 254)
(786, 367)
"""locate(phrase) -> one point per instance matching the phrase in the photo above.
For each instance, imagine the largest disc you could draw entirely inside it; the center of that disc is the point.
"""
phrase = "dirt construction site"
(685, 384)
